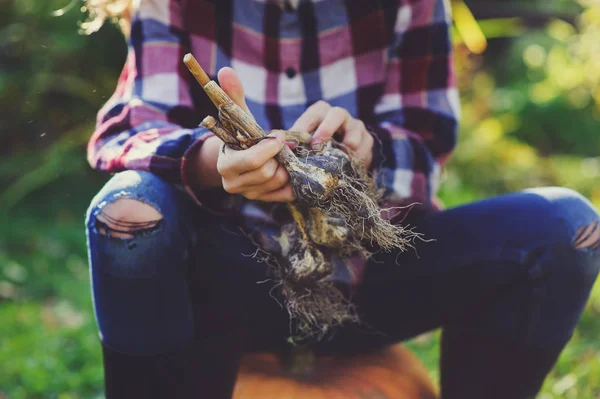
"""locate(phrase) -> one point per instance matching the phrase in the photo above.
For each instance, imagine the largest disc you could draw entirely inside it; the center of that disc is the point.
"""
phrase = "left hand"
(325, 120)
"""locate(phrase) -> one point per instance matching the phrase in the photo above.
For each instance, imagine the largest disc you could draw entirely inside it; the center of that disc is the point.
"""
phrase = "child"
(175, 294)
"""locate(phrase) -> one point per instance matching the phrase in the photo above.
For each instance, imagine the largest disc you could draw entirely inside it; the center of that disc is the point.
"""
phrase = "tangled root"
(303, 273)
(354, 198)
(336, 214)
(317, 306)
(340, 217)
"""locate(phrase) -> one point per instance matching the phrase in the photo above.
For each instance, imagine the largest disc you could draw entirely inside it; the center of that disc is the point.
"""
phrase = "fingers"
(279, 180)
(254, 173)
(354, 134)
(249, 180)
(271, 190)
(312, 117)
(358, 139)
(231, 84)
(284, 194)
(234, 163)
(324, 120)
(336, 119)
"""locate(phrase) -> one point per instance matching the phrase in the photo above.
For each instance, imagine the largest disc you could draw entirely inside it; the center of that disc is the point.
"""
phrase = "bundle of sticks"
(336, 213)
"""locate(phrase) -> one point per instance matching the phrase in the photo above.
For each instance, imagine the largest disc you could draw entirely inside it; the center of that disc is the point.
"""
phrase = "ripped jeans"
(515, 269)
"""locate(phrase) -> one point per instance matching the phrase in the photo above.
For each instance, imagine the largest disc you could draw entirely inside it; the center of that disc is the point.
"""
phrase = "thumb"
(231, 84)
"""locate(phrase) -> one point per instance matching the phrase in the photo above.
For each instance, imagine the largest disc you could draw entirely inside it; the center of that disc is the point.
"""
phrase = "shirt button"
(290, 72)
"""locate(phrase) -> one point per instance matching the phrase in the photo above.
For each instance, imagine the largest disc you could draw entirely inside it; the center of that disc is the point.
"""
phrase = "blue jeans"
(515, 269)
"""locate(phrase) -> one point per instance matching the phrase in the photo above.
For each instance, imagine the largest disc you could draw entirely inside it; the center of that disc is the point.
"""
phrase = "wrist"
(204, 164)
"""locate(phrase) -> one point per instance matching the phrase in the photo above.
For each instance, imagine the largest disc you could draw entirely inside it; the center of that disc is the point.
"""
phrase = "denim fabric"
(505, 267)
(139, 285)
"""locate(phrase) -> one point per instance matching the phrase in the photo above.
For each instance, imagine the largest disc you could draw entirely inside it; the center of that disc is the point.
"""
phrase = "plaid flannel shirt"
(388, 62)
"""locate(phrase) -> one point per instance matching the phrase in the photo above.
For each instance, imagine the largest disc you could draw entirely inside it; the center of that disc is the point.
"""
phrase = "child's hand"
(253, 173)
(325, 120)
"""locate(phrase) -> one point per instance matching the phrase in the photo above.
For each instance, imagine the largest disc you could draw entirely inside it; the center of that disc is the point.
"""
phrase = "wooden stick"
(240, 128)
(292, 135)
(227, 108)
(232, 114)
(215, 126)
(196, 70)
(220, 98)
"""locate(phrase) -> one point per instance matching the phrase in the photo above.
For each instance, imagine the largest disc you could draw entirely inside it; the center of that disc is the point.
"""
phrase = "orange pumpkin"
(393, 373)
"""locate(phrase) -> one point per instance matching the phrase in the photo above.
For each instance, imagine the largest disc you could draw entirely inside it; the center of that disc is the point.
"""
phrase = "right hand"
(253, 173)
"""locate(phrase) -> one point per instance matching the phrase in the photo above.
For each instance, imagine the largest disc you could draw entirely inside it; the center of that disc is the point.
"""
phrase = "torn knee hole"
(127, 218)
(588, 236)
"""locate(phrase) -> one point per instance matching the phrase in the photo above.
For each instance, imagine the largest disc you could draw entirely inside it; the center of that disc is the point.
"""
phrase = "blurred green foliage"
(531, 110)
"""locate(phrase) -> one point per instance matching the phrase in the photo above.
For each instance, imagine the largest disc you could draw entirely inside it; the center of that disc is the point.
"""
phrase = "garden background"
(530, 85)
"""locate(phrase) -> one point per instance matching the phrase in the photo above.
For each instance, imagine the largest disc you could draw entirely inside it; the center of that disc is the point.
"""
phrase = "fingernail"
(278, 137)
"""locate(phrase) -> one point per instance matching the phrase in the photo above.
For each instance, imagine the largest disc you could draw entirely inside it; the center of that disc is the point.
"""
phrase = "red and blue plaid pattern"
(387, 62)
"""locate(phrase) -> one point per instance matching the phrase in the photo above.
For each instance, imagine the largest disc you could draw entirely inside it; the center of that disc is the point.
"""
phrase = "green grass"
(48, 339)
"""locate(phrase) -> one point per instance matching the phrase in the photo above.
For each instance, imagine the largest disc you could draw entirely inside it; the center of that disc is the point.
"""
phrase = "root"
(343, 219)
(336, 213)
(363, 219)
(303, 276)
(317, 306)
(355, 200)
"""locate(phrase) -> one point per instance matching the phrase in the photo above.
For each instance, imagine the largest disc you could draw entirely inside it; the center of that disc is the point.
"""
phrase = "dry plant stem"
(336, 212)
(314, 301)
(297, 137)
(226, 136)
(240, 121)
(196, 69)
(310, 183)
(214, 126)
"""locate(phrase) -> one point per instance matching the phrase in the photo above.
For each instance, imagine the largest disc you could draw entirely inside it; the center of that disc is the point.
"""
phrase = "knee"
(128, 205)
(126, 218)
(576, 214)
(138, 254)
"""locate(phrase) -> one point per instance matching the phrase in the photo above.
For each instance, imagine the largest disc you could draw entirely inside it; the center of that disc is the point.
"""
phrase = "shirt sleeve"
(150, 122)
(418, 114)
